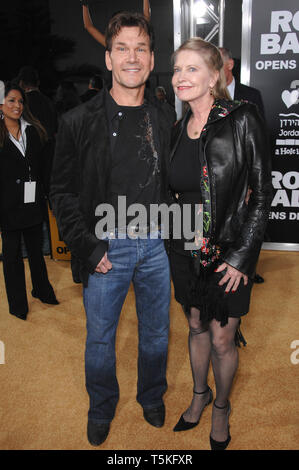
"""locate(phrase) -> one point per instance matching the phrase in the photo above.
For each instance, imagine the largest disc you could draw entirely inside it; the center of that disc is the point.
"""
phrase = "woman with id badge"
(22, 201)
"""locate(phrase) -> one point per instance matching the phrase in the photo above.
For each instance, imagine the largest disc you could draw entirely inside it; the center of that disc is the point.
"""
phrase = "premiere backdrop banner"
(270, 62)
(59, 250)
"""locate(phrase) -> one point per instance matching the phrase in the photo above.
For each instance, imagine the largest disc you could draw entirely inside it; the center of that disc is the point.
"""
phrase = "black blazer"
(14, 171)
(248, 93)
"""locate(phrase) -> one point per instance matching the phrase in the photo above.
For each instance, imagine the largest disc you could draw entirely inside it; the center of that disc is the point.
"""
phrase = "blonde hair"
(213, 60)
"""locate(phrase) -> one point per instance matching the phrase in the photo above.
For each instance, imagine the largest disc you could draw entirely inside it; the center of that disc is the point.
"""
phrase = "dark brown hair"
(128, 19)
(26, 115)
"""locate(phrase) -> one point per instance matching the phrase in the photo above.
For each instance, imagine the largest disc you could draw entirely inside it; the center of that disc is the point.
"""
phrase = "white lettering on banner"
(287, 142)
(276, 64)
(290, 180)
(288, 146)
(275, 43)
(270, 44)
(284, 151)
(277, 215)
(281, 197)
(283, 19)
(292, 133)
(283, 216)
(289, 122)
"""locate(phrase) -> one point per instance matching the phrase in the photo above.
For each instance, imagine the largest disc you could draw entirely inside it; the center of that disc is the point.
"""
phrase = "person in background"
(117, 145)
(2, 92)
(66, 98)
(40, 105)
(94, 32)
(22, 199)
(165, 105)
(217, 149)
(43, 109)
(94, 86)
(238, 91)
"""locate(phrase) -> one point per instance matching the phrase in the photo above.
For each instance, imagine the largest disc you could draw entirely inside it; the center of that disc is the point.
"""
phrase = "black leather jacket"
(237, 156)
(81, 171)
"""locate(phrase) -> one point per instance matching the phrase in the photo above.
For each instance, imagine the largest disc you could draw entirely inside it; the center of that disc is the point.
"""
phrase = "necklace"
(197, 131)
(14, 131)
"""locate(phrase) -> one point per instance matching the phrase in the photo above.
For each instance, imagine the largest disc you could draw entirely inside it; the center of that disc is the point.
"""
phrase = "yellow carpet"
(43, 398)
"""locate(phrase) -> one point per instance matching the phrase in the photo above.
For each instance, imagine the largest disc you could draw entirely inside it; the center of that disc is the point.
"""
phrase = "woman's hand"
(232, 277)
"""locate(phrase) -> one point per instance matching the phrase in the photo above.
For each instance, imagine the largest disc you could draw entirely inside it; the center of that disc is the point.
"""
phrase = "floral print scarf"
(207, 252)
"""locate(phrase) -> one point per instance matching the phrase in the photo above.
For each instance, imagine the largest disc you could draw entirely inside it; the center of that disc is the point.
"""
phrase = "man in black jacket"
(39, 104)
(112, 147)
(42, 109)
(238, 91)
(94, 86)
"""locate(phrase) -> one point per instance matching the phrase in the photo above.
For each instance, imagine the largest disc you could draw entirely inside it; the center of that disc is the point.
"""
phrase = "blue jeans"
(145, 263)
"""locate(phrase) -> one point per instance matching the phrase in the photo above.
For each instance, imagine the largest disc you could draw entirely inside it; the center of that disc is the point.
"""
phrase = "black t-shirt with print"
(135, 169)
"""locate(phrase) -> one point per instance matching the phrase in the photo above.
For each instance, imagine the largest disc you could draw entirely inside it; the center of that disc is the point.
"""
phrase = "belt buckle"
(131, 231)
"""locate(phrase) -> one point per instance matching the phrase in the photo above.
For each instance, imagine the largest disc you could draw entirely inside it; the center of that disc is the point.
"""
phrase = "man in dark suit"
(238, 91)
(39, 104)
(165, 105)
(94, 86)
(43, 109)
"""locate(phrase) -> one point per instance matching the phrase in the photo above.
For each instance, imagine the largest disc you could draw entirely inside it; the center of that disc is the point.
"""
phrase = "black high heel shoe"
(183, 425)
(221, 445)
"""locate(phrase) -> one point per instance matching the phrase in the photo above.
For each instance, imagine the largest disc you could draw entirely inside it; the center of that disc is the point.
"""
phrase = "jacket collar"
(220, 110)
(98, 119)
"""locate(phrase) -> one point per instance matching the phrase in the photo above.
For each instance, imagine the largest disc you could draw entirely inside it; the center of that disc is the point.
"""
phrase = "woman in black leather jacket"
(219, 151)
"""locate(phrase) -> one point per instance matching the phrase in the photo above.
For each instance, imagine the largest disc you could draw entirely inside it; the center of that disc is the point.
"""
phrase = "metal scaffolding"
(201, 18)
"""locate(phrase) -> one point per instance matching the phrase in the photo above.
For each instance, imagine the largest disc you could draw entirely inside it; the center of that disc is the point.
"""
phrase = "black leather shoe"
(258, 279)
(97, 432)
(21, 316)
(182, 424)
(155, 416)
(49, 299)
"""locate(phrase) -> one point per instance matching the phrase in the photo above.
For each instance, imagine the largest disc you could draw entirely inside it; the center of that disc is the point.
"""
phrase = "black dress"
(194, 288)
